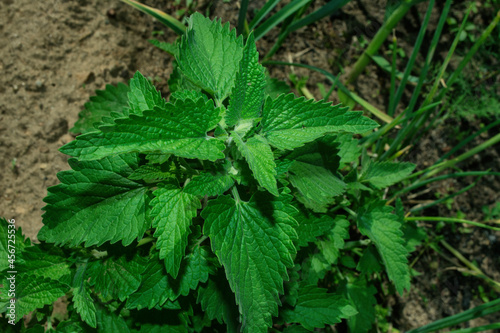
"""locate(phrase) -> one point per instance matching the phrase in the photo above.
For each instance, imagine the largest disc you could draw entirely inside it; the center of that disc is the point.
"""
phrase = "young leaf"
(248, 93)
(384, 228)
(116, 277)
(254, 242)
(317, 186)
(260, 158)
(111, 100)
(315, 308)
(84, 304)
(290, 122)
(143, 95)
(180, 129)
(209, 55)
(172, 212)
(208, 184)
(384, 174)
(95, 203)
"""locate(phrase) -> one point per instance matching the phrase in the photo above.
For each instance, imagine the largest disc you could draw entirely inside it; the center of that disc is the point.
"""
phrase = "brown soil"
(55, 53)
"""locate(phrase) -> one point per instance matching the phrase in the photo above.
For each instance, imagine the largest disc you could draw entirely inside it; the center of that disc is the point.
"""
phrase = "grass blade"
(477, 312)
(324, 11)
(262, 13)
(376, 112)
(277, 18)
(242, 15)
(164, 18)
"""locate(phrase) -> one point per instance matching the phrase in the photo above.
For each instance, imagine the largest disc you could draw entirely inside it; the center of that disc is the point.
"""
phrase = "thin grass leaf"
(451, 220)
(242, 17)
(262, 13)
(277, 18)
(373, 110)
(478, 328)
(474, 313)
(164, 18)
(324, 11)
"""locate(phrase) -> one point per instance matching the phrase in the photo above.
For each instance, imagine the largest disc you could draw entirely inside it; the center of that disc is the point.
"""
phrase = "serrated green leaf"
(47, 262)
(209, 55)
(173, 211)
(154, 289)
(31, 292)
(384, 228)
(158, 328)
(348, 148)
(248, 93)
(83, 302)
(110, 322)
(143, 95)
(317, 187)
(290, 122)
(179, 129)
(95, 203)
(218, 303)
(331, 245)
(209, 184)
(179, 82)
(254, 242)
(275, 87)
(115, 277)
(106, 102)
(315, 308)
(157, 286)
(150, 172)
(170, 48)
(369, 262)
(15, 239)
(384, 174)
(362, 297)
(260, 158)
(311, 226)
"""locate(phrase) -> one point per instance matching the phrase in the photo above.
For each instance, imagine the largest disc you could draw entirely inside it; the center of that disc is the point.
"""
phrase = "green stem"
(379, 39)
(450, 220)
(235, 193)
(437, 168)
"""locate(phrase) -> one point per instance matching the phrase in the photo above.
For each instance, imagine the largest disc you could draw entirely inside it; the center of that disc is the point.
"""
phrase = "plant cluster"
(228, 203)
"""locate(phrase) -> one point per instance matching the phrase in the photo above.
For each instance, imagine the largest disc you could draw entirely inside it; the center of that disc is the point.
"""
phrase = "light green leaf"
(317, 187)
(209, 184)
(254, 242)
(384, 174)
(179, 129)
(112, 100)
(173, 211)
(95, 203)
(209, 55)
(83, 302)
(218, 303)
(384, 228)
(248, 93)
(170, 48)
(315, 308)
(290, 122)
(143, 95)
(31, 292)
(260, 158)
(331, 245)
(116, 277)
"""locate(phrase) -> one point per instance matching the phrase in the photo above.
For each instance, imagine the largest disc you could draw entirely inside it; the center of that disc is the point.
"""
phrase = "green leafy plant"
(227, 206)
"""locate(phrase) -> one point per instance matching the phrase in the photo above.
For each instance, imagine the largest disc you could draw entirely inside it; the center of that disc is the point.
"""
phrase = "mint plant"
(227, 206)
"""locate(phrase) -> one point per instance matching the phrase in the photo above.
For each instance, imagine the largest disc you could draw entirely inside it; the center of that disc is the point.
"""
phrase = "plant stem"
(379, 39)
(450, 220)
